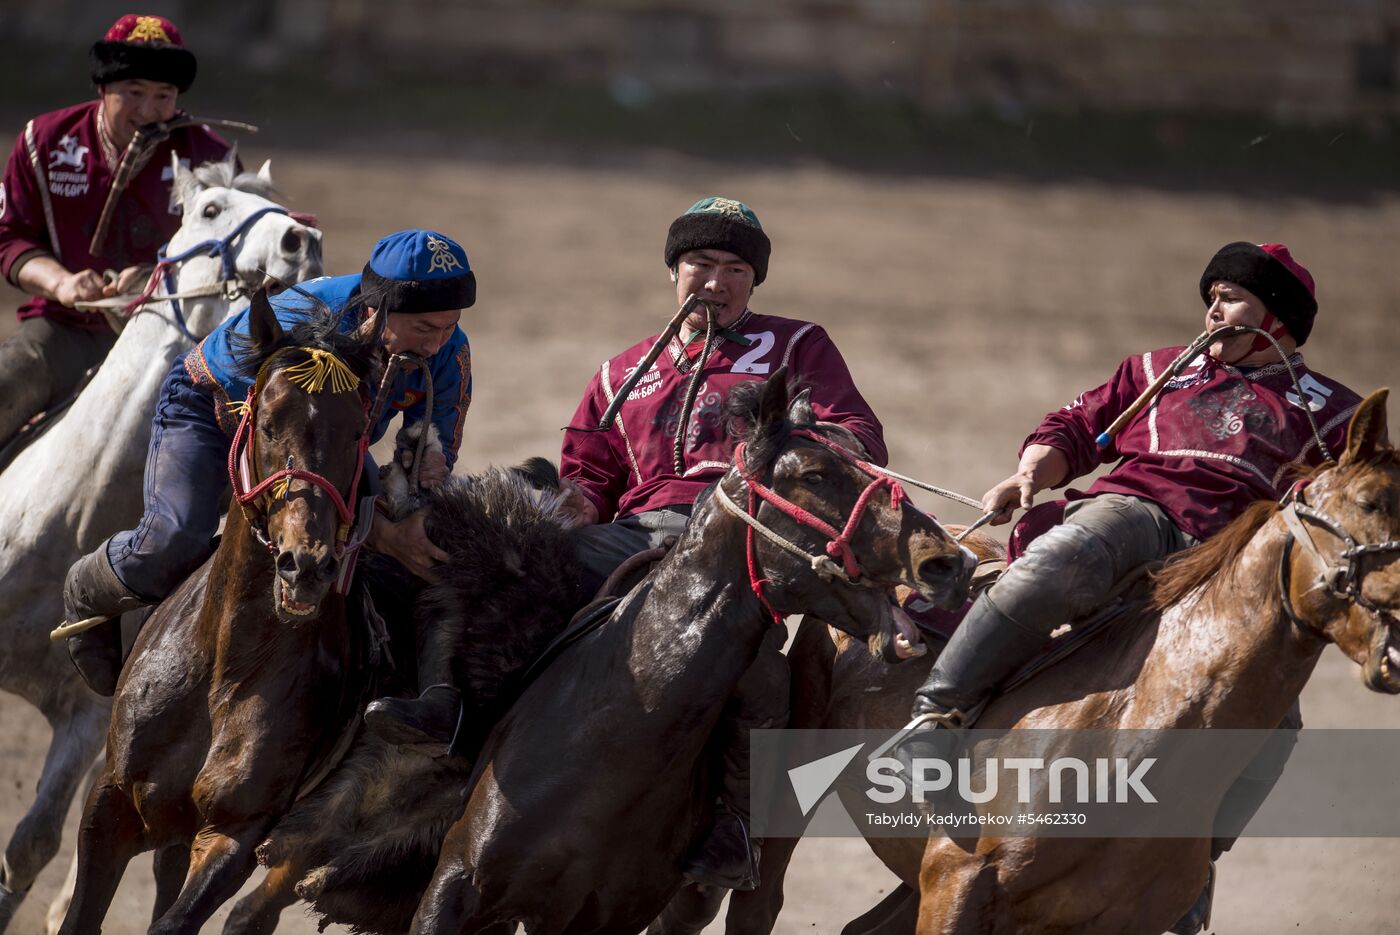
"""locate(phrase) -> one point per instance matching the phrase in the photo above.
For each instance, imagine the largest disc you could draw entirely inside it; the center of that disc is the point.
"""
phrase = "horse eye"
(813, 478)
(210, 211)
(1369, 506)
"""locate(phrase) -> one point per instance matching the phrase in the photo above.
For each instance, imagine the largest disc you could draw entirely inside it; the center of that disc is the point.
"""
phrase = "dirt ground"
(965, 308)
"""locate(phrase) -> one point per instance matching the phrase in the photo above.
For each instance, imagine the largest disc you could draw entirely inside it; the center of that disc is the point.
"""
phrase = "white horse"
(81, 480)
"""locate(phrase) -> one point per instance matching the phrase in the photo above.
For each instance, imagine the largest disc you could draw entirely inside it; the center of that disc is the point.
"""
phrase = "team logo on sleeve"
(410, 398)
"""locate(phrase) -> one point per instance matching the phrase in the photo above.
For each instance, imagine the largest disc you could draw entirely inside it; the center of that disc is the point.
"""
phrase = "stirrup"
(950, 720)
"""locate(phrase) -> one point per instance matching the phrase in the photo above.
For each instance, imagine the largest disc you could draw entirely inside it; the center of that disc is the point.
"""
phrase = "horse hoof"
(268, 854)
(312, 885)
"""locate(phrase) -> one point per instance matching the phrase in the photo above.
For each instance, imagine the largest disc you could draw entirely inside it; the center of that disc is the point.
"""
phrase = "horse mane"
(1212, 562)
(321, 330)
(221, 174)
(764, 438)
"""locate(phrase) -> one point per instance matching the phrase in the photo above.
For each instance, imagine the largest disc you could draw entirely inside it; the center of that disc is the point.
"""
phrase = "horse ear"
(773, 402)
(372, 328)
(265, 172)
(800, 409)
(186, 186)
(263, 327)
(1367, 434)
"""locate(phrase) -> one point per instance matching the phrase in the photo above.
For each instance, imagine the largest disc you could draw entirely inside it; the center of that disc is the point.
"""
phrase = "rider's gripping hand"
(82, 286)
(1041, 467)
(408, 543)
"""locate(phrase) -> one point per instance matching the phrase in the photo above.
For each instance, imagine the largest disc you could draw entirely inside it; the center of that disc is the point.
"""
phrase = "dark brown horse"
(1221, 649)
(594, 786)
(240, 684)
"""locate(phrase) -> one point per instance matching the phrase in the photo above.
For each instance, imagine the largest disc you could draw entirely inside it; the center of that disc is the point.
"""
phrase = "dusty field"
(965, 310)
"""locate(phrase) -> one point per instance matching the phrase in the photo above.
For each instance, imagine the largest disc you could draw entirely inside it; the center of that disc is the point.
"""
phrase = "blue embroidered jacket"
(210, 366)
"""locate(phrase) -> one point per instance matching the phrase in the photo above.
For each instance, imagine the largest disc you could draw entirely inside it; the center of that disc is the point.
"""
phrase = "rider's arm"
(44, 276)
(591, 460)
(816, 363)
(1073, 428)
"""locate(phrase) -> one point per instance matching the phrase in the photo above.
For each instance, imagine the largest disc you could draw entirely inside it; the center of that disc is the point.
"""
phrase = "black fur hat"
(724, 224)
(147, 47)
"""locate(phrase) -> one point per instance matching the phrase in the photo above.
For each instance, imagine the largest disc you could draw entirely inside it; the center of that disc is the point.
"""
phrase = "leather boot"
(728, 857)
(92, 589)
(429, 718)
(1197, 918)
(987, 648)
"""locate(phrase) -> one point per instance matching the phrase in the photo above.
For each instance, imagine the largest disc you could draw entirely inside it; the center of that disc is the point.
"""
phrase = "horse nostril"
(287, 564)
(291, 241)
(941, 566)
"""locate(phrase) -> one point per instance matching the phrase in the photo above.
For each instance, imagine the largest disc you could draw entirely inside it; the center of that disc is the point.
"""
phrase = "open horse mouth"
(289, 608)
(1383, 665)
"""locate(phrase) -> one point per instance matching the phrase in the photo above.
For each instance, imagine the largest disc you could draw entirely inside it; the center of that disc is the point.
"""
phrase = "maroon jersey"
(1215, 439)
(56, 183)
(629, 469)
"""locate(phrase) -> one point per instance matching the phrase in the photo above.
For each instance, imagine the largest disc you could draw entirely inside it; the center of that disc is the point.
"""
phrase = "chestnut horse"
(596, 783)
(241, 682)
(1227, 646)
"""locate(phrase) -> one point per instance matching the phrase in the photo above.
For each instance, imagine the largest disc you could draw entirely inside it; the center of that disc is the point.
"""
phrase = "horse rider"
(633, 487)
(422, 279)
(1229, 430)
(57, 181)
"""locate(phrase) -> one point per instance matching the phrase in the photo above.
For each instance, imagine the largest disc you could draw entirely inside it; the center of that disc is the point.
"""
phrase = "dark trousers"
(186, 476)
(40, 367)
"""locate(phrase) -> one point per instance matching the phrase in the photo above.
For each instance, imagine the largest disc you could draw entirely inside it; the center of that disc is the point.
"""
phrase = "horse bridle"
(247, 491)
(1343, 575)
(838, 545)
(230, 287)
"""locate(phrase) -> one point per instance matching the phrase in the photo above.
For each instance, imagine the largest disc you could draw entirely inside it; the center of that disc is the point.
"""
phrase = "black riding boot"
(728, 857)
(987, 649)
(1198, 916)
(432, 716)
(92, 589)
(429, 718)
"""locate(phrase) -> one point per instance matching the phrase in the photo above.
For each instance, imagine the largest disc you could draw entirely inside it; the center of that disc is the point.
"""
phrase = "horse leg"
(689, 911)
(75, 744)
(896, 914)
(220, 861)
(109, 835)
(810, 659)
(256, 913)
(172, 862)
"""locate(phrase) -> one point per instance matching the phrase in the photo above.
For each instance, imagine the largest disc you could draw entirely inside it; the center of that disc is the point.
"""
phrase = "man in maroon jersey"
(634, 484)
(1229, 430)
(55, 185)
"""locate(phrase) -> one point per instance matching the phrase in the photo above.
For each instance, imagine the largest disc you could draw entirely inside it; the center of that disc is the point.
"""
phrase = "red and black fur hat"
(146, 47)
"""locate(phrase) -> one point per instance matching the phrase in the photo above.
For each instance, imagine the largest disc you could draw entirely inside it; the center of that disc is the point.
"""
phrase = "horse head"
(232, 229)
(1341, 562)
(302, 444)
(830, 535)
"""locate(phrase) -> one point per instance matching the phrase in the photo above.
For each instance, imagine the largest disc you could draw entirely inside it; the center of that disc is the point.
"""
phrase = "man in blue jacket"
(423, 281)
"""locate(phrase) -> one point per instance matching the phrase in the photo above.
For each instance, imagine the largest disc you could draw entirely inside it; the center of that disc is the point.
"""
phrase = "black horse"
(593, 787)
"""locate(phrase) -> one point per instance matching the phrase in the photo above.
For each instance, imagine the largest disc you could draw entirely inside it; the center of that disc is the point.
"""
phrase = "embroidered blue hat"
(418, 271)
(724, 224)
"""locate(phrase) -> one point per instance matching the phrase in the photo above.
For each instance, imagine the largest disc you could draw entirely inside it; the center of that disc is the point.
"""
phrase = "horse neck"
(1218, 660)
(699, 627)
